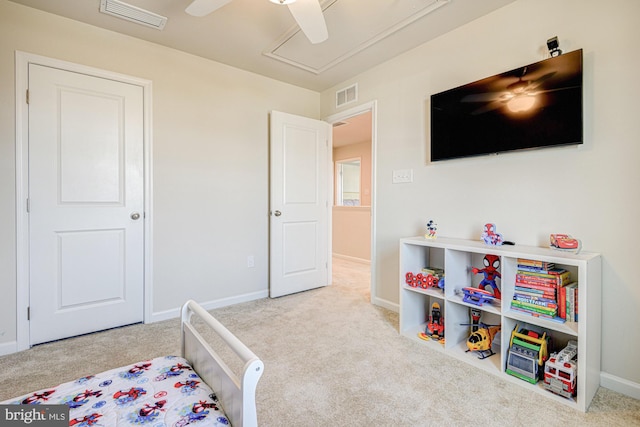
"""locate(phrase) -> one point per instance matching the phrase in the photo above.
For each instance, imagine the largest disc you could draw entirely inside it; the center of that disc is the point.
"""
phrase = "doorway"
(353, 211)
(79, 172)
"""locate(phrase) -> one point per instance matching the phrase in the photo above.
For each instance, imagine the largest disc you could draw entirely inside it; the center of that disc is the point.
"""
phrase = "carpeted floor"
(331, 358)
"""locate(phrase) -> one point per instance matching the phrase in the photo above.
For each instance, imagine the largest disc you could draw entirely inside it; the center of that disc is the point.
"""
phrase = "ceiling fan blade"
(204, 7)
(489, 107)
(482, 97)
(308, 15)
(558, 89)
(534, 84)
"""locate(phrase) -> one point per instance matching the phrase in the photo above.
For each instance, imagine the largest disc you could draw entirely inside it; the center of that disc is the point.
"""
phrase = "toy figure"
(475, 319)
(435, 325)
(490, 271)
(432, 230)
(490, 237)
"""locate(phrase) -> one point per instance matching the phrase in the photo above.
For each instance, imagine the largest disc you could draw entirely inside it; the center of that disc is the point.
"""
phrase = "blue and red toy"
(491, 273)
(477, 296)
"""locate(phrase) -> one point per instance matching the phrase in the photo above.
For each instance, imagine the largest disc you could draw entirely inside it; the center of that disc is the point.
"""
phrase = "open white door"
(299, 204)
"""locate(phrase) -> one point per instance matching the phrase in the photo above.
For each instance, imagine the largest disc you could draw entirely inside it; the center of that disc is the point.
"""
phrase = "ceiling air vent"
(131, 13)
(347, 95)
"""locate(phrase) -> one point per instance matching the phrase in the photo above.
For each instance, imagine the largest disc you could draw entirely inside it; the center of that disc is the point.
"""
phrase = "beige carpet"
(331, 358)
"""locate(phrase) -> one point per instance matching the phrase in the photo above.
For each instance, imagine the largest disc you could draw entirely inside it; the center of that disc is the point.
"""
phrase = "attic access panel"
(352, 28)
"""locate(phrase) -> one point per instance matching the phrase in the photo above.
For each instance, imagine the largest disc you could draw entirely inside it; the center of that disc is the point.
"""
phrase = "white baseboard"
(626, 387)
(351, 258)
(8, 348)
(386, 304)
(210, 305)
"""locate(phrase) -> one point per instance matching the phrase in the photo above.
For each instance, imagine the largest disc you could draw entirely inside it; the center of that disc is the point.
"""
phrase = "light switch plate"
(401, 176)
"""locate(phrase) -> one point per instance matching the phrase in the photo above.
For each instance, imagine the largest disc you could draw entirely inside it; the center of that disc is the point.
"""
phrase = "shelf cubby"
(457, 257)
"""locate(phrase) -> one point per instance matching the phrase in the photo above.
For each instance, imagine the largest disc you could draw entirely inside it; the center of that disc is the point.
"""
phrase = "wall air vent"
(131, 13)
(347, 95)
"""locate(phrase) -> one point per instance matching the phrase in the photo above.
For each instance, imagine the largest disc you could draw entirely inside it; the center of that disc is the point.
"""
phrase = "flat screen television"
(538, 105)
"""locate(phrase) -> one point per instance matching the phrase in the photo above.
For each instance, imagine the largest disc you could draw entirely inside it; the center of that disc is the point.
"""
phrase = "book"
(536, 284)
(434, 271)
(534, 308)
(550, 313)
(535, 263)
(552, 271)
(562, 302)
(535, 292)
(564, 274)
(538, 313)
(542, 302)
(570, 301)
(550, 280)
(553, 318)
(536, 289)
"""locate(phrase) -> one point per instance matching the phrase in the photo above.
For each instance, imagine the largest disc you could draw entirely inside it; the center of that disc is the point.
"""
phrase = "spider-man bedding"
(164, 391)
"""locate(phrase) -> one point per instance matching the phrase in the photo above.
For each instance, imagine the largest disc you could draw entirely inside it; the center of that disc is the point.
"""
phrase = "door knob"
(277, 213)
(135, 216)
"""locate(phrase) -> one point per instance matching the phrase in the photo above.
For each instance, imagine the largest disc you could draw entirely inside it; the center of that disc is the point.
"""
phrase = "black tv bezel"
(575, 77)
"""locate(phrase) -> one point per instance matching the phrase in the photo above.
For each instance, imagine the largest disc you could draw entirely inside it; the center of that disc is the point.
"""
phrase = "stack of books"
(538, 288)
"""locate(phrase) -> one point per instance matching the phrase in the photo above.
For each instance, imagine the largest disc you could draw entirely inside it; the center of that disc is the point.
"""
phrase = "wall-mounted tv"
(538, 105)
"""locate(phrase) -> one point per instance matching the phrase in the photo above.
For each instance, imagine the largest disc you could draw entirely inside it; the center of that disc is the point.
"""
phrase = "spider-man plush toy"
(490, 271)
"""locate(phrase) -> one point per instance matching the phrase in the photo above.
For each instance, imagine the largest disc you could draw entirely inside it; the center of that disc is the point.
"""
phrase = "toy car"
(564, 242)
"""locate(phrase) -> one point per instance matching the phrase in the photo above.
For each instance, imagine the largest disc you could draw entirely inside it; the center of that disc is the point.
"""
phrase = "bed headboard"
(236, 394)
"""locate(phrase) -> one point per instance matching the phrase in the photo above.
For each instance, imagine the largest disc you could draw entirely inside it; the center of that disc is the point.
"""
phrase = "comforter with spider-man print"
(164, 391)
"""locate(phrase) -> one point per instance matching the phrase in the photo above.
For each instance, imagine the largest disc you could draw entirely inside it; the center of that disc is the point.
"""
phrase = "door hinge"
(28, 205)
(27, 96)
(28, 313)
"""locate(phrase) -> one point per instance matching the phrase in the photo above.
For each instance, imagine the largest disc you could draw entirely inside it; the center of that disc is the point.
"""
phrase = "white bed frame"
(237, 395)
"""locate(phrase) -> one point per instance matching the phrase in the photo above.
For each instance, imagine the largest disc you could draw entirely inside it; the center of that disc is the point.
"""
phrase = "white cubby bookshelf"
(457, 257)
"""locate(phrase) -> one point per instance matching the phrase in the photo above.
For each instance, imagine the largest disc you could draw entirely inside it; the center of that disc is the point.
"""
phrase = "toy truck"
(560, 371)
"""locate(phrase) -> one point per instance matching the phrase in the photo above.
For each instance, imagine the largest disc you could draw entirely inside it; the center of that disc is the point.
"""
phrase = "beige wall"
(210, 148)
(210, 151)
(352, 225)
(591, 191)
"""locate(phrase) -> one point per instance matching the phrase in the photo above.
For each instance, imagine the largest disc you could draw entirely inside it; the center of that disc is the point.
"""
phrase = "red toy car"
(564, 242)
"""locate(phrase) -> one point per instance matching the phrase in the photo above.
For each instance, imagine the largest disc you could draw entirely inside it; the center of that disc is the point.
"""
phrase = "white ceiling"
(262, 37)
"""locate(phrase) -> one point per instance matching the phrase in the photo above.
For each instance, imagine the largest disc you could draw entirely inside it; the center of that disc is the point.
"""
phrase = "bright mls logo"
(34, 415)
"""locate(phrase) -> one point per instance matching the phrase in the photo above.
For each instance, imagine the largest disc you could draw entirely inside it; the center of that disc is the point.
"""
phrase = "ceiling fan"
(307, 14)
(519, 96)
